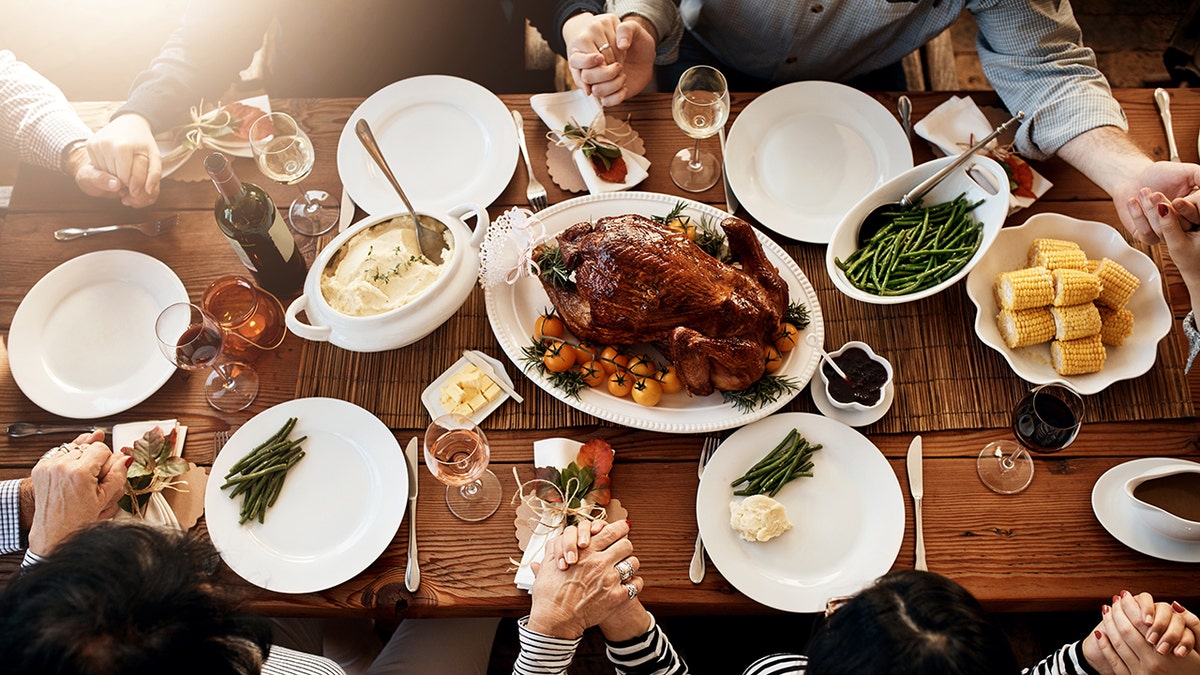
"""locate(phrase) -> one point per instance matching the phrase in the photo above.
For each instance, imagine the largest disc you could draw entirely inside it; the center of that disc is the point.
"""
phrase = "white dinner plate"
(1115, 513)
(448, 141)
(513, 310)
(82, 341)
(801, 155)
(847, 520)
(1151, 316)
(339, 508)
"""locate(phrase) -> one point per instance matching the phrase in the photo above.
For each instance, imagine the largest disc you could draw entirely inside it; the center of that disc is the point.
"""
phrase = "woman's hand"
(73, 489)
(126, 148)
(1167, 224)
(609, 57)
(568, 601)
(1138, 635)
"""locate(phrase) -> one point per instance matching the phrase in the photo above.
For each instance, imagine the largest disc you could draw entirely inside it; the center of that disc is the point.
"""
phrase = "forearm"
(1107, 156)
(35, 118)
(542, 654)
(647, 653)
(1068, 660)
(660, 18)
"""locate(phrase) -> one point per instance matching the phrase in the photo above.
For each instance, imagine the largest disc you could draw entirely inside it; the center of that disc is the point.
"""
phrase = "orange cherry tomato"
(548, 325)
(608, 359)
(620, 383)
(559, 357)
(786, 337)
(586, 351)
(668, 378)
(684, 226)
(591, 372)
(647, 391)
(643, 366)
(773, 358)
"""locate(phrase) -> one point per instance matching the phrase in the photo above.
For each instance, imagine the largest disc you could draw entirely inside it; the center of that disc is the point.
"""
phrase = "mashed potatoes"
(758, 518)
(379, 269)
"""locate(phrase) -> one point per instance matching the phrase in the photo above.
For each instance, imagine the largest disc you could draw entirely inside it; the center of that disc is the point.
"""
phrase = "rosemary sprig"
(570, 382)
(554, 270)
(766, 390)
(711, 239)
(797, 315)
(674, 213)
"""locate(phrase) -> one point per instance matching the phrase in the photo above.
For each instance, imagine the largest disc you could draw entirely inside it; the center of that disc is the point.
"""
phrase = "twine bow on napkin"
(590, 143)
(172, 498)
(225, 128)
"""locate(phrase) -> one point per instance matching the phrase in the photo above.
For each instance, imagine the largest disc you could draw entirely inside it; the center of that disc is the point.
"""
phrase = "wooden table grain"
(1040, 550)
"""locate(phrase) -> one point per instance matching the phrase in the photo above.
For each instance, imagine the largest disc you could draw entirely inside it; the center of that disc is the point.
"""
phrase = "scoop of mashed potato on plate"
(758, 518)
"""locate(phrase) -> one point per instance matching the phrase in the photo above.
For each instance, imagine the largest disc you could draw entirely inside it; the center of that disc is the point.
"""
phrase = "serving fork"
(150, 228)
(536, 192)
(696, 570)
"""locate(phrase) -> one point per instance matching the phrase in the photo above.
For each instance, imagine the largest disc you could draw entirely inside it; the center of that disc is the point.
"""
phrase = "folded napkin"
(579, 110)
(224, 128)
(176, 509)
(958, 123)
(556, 452)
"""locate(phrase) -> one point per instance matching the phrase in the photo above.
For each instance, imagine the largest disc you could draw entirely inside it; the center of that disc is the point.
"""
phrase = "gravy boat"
(1158, 519)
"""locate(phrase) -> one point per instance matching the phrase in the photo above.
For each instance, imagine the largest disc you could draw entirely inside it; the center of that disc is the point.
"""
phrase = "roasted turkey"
(639, 281)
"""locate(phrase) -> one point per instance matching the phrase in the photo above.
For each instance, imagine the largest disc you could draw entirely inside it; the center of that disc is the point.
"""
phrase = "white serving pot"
(403, 325)
(1160, 520)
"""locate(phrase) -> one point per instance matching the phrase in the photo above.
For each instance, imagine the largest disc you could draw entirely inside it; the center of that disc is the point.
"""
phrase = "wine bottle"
(254, 227)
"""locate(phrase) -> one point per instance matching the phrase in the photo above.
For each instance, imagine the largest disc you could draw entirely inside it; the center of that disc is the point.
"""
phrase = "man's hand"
(92, 181)
(610, 58)
(73, 489)
(126, 148)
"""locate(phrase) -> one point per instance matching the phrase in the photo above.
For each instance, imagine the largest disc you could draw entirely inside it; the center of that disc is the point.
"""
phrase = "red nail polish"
(1178, 608)
(1104, 609)
(129, 461)
(1163, 210)
(628, 524)
(1098, 634)
(1124, 594)
(1116, 599)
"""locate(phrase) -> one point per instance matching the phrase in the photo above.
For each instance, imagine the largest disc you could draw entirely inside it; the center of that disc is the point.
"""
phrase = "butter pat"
(758, 518)
(467, 391)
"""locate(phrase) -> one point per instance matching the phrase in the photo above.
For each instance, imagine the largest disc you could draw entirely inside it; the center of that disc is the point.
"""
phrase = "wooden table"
(1040, 550)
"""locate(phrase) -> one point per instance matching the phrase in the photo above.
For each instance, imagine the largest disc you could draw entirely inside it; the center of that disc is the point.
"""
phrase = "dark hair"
(127, 598)
(911, 622)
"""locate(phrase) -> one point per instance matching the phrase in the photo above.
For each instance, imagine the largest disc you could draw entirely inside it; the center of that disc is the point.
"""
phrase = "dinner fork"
(219, 440)
(536, 192)
(150, 228)
(696, 571)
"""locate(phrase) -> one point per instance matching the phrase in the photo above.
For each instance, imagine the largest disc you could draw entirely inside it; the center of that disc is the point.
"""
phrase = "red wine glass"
(193, 340)
(1048, 419)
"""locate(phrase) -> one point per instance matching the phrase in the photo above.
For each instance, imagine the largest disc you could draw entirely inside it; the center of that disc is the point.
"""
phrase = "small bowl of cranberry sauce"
(868, 373)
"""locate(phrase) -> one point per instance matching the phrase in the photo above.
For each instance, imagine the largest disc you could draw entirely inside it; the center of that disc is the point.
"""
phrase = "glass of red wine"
(193, 340)
(457, 454)
(1048, 419)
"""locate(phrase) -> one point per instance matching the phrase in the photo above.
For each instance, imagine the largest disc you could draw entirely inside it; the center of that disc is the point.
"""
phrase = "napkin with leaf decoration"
(157, 445)
(225, 128)
(958, 123)
(577, 122)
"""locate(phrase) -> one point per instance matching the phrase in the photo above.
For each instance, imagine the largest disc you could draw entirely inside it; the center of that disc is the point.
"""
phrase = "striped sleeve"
(10, 516)
(542, 654)
(284, 661)
(1068, 660)
(779, 664)
(647, 654)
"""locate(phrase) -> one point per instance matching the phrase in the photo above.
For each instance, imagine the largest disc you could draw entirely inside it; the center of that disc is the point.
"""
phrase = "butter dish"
(431, 397)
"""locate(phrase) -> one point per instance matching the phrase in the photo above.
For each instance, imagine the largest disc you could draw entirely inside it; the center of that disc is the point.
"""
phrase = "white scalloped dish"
(1151, 315)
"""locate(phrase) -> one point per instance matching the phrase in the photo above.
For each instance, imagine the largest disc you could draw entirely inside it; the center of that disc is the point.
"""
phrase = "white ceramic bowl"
(403, 325)
(1151, 316)
(855, 405)
(991, 213)
(1157, 519)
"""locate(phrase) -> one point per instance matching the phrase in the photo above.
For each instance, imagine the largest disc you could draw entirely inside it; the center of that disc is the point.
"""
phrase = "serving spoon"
(878, 217)
(431, 232)
(812, 342)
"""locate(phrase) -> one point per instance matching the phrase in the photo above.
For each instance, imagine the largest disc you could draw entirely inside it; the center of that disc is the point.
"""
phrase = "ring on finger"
(632, 590)
(61, 449)
(625, 569)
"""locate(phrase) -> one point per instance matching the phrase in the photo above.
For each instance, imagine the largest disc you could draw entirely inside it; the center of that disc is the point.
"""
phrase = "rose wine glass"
(285, 154)
(457, 453)
(193, 340)
(700, 108)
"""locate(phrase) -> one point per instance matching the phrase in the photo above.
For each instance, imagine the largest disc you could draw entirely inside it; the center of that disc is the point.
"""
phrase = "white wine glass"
(193, 340)
(457, 454)
(285, 154)
(700, 108)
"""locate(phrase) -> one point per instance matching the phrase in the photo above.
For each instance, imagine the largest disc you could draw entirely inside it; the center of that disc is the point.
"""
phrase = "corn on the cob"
(1076, 321)
(1024, 327)
(1024, 288)
(1057, 254)
(1115, 325)
(1074, 287)
(1077, 357)
(1092, 265)
(1117, 284)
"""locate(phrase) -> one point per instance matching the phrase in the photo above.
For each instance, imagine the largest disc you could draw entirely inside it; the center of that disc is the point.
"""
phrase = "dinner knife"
(731, 202)
(412, 572)
(482, 364)
(1163, 100)
(25, 429)
(916, 485)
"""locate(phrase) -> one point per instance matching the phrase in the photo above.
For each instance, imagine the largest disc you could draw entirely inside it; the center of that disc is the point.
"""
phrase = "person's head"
(125, 598)
(911, 622)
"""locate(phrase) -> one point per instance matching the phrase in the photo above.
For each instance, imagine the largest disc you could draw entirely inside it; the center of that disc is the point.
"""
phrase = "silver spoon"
(904, 106)
(878, 217)
(24, 429)
(431, 233)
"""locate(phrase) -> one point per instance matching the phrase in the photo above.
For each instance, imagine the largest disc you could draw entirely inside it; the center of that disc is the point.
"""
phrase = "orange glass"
(252, 317)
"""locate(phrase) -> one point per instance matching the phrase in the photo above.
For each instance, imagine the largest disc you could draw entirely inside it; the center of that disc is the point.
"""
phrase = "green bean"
(790, 459)
(258, 477)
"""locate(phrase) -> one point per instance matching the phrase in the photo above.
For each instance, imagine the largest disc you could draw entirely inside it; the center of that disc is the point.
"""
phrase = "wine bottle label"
(282, 237)
(241, 254)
